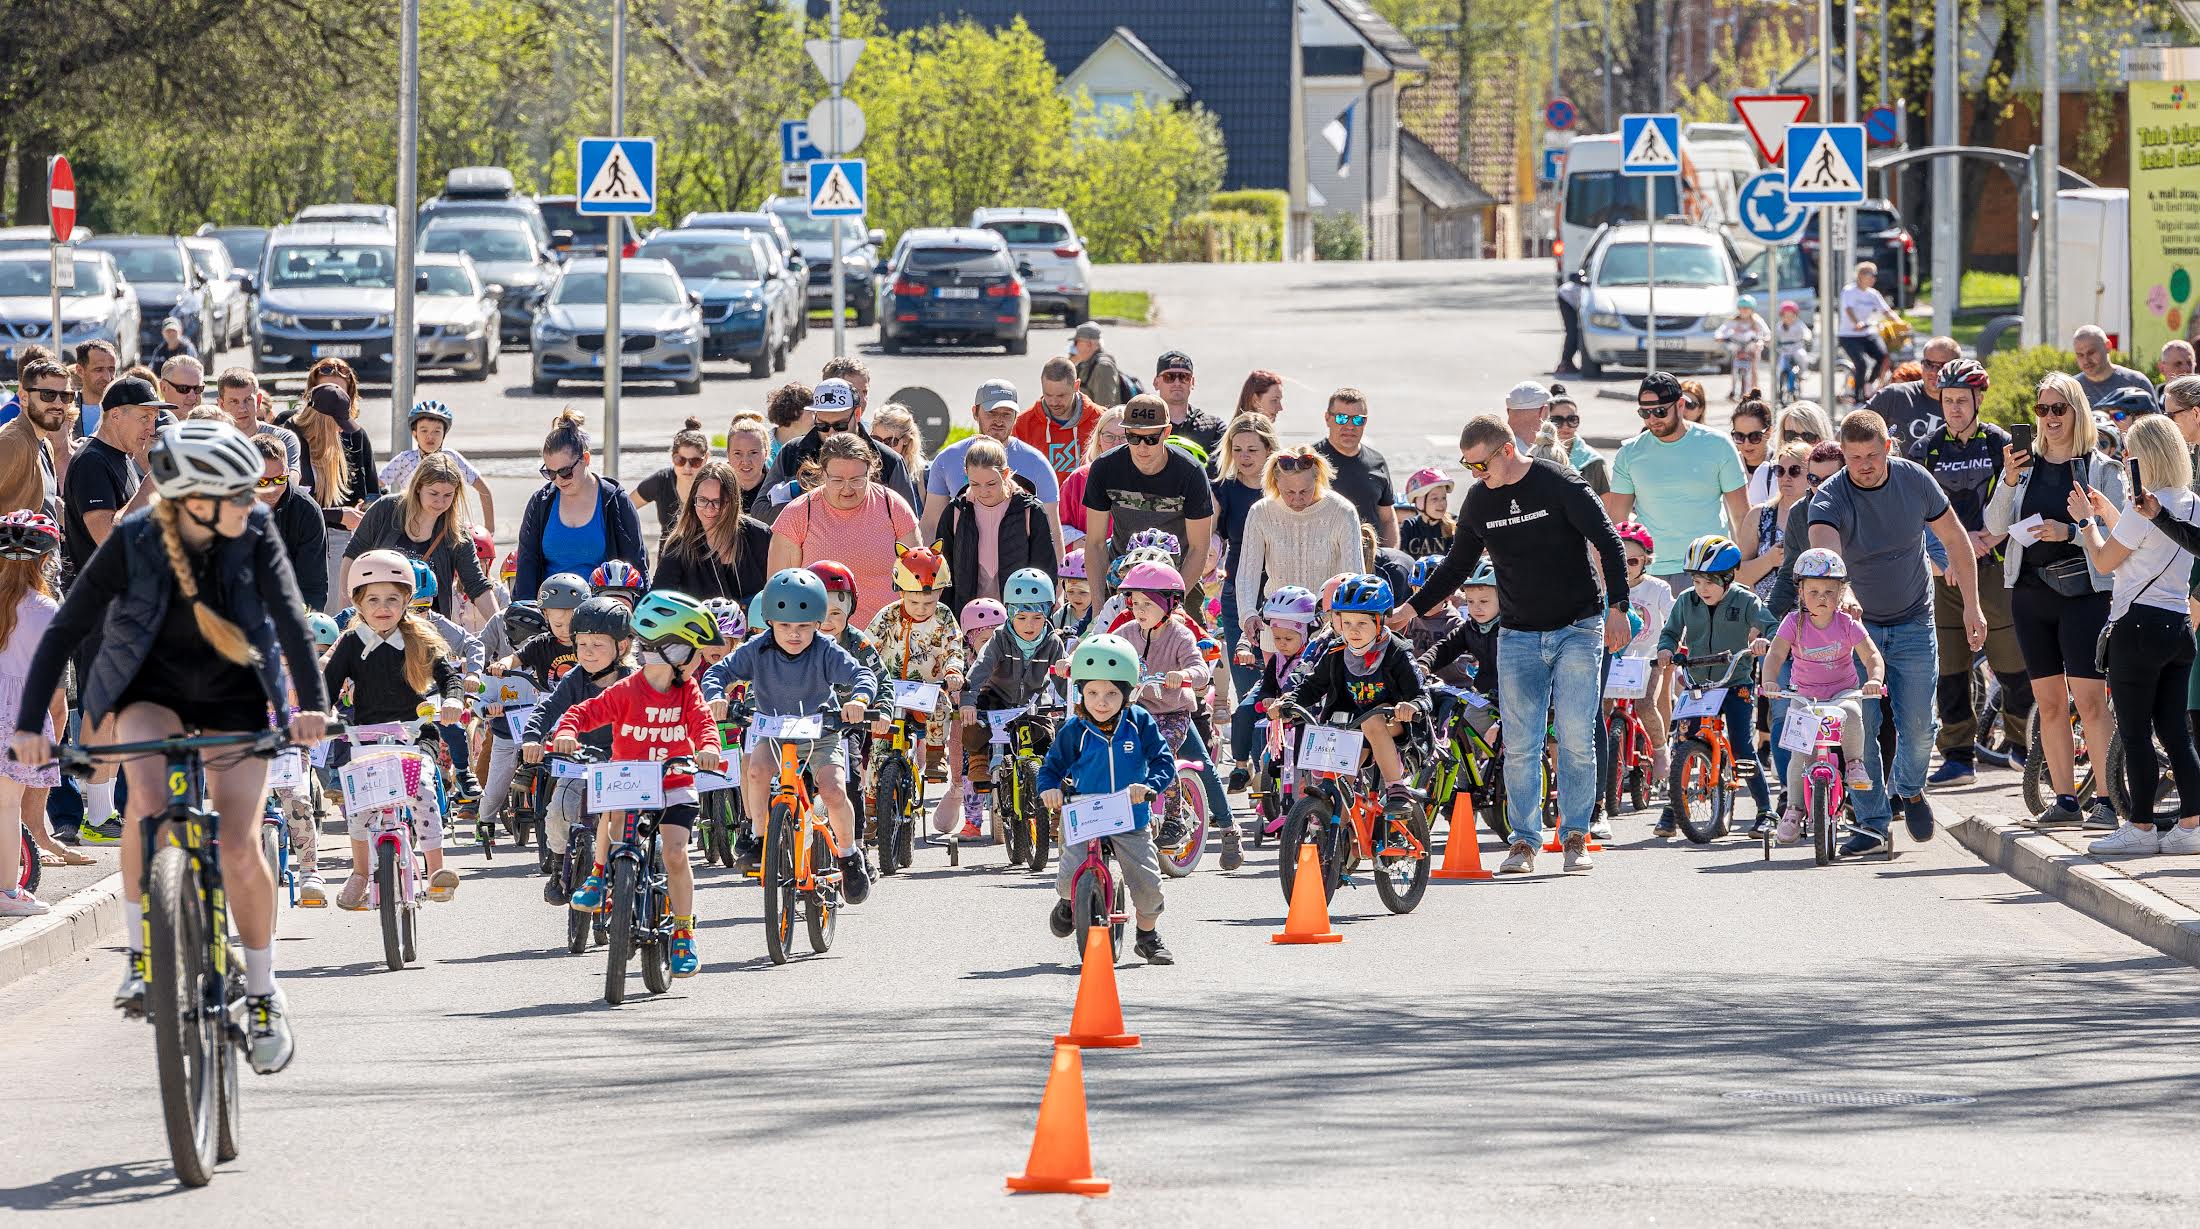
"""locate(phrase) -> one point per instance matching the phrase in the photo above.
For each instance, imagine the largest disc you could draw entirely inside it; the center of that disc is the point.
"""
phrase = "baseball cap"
(1174, 360)
(993, 394)
(171, 323)
(1527, 395)
(832, 397)
(132, 390)
(1659, 386)
(1144, 414)
(1088, 331)
(330, 399)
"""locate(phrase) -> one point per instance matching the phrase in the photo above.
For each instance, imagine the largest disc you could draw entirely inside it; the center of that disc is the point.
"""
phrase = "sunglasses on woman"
(2050, 409)
(688, 462)
(1565, 420)
(1790, 471)
(895, 442)
(1294, 462)
(558, 475)
(1750, 437)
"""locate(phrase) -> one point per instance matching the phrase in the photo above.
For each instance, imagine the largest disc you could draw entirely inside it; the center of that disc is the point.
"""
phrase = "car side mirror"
(490, 291)
(1751, 281)
(1023, 268)
(876, 237)
(420, 283)
(695, 299)
(879, 268)
(244, 279)
(794, 261)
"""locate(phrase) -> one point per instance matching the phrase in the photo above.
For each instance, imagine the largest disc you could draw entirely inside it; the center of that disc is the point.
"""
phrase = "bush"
(1270, 205)
(2016, 376)
(1339, 236)
(1216, 237)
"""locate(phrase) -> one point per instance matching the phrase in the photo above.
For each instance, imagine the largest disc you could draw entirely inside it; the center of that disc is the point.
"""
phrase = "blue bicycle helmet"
(1485, 573)
(794, 595)
(1028, 589)
(1712, 553)
(1364, 594)
(430, 408)
(1423, 567)
(423, 584)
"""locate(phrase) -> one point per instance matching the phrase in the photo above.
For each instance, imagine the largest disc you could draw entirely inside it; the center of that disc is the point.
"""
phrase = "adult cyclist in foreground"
(195, 612)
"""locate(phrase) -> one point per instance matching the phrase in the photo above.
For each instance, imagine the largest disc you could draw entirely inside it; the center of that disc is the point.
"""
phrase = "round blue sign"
(1766, 211)
(1559, 113)
(1880, 125)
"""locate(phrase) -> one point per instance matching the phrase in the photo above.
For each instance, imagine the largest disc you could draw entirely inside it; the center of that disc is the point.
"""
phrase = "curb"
(2099, 891)
(86, 920)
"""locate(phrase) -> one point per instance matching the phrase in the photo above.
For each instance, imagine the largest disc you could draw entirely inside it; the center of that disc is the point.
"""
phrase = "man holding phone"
(1964, 456)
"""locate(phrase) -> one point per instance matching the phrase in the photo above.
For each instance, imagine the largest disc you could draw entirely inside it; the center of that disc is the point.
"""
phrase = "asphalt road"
(1685, 1035)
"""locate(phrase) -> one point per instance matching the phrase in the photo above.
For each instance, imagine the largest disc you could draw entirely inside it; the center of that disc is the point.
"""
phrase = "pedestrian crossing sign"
(836, 188)
(1650, 145)
(1825, 164)
(618, 175)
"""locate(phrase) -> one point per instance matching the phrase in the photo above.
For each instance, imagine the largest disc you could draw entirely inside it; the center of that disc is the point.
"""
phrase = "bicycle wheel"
(229, 1136)
(1402, 867)
(1042, 824)
(386, 885)
(576, 931)
(28, 871)
(893, 814)
(1613, 730)
(779, 889)
(1693, 792)
(1309, 820)
(1190, 803)
(1826, 848)
(1014, 834)
(1089, 907)
(187, 1028)
(1638, 787)
(822, 911)
(2036, 785)
(656, 948)
(620, 930)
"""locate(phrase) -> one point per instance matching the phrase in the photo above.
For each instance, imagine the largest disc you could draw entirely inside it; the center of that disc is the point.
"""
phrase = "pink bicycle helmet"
(1073, 568)
(983, 613)
(1329, 587)
(485, 546)
(1153, 578)
(1426, 478)
(1632, 531)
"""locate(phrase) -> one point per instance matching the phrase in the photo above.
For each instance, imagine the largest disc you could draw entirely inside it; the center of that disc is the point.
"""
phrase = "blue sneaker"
(1952, 772)
(1918, 815)
(684, 963)
(590, 898)
(1862, 842)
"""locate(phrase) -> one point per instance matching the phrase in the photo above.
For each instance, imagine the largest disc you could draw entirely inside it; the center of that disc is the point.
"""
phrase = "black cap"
(330, 400)
(132, 390)
(1659, 386)
(1174, 360)
(2126, 402)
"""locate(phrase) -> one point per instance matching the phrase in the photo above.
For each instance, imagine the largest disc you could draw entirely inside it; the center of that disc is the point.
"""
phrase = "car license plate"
(334, 350)
(625, 360)
(957, 292)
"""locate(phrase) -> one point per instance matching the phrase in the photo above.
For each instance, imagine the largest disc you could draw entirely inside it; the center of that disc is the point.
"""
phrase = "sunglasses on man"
(1483, 466)
(58, 396)
(1143, 439)
(1647, 410)
(1349, 420)
(275, 483)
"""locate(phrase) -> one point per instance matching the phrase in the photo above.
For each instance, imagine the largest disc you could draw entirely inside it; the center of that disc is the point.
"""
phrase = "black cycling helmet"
(1964, 373)
(564, 591)
(602, 616)
(523, 622)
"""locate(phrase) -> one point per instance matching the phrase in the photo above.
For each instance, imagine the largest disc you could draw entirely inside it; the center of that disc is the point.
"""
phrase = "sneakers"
(748, 853)
(1172, 832)
(1150, 947)
(590, 898)
(1917, 815)
(443, 885)
(1519, 860)
(2102, 817)
(1790, 829)
(130, 995)
(2128, 841)
(2012, 758)
(268, 1043)
(1952, 772)
(15, 902)
(949, 805)
(1761, 825)
(2181, 840)
(684, 962)
(1577, 854)
(1856, 778)
(2061, 813)
(1060, 920)
(312, 893)
(553, 889)
(1240, 777)
(855, 878)
(108, 833)
(352, 897)
(1668, 824)
(1233, 848)
(1600, 828)
(1862, 841)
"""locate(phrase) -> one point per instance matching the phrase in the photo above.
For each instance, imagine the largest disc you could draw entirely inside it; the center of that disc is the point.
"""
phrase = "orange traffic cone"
(1061, 1155)
(1555, 846)
(1462, 845)
(1097, 1020)
(1308, 921)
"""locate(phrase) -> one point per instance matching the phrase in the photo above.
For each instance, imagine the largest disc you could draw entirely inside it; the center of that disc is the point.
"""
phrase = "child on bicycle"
(1826, 643)
(1474, 644)
(1074, 616)
(466, 658)
(547, 655)
(29, 564)
(794, 671)
(1286, 619)
(1718, 616)
(1369, 672)
(602, 632)
(1745, 336)
(1109, 744)
(1167, 643)
(1428, 631)
(918, 641)
(1651, 600)
(394, 660)
(657, 714)
(1793, 337)
(1013, 667)
(619, 579)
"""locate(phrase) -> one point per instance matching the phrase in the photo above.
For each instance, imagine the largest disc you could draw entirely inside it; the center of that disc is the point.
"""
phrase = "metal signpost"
(836, 128)
(1825, 167)
(1768, 215)
(404, 335)
(1650, 146)
(61, 217)
(618, 180)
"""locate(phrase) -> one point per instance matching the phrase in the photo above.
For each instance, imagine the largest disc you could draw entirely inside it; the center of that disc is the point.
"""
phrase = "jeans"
(1912, 673)
(1218, 803)
(1242, 720)
(1242, 678)
(1537, 671)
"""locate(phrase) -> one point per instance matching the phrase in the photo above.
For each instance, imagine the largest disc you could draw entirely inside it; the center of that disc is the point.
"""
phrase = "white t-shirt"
(1652, 601)
(1860, 310)
(399, 470)
(2157, 571)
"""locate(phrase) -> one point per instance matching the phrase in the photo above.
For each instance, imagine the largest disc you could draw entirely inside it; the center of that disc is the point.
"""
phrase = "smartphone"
(2021, 436)
(2133, 462)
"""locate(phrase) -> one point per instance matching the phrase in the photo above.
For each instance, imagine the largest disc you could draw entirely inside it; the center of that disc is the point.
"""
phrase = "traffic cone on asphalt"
(1061, 1155)
(1097, 1020)
(1308, 921)
(1554, 845)
(1462, 844)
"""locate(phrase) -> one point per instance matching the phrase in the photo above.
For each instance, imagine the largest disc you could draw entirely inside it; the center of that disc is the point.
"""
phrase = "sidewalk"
(2155, 900)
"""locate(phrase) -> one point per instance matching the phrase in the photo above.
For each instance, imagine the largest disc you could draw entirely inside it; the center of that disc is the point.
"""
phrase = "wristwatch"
(2083, 525)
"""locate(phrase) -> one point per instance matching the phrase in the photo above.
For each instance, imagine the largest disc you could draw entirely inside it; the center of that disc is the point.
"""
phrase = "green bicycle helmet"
(563, 591)
(793, 595)
(668, 614)
(1104, 658)
(1189, 449)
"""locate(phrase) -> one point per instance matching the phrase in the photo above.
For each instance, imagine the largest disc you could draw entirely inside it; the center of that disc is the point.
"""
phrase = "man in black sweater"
(1542, 527)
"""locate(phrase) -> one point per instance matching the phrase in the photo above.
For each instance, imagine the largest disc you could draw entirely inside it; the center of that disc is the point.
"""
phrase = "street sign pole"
(53, 286)
(840, 150)
(614, 339)
(1650, 149)
(404, 333)
(1827, 334)
(1650, 261)
(2049, 166)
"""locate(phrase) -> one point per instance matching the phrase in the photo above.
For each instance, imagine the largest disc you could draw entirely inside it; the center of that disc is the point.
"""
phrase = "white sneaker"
(2181, 840)
(1600, 829)
(15, 902)
(2128, 840)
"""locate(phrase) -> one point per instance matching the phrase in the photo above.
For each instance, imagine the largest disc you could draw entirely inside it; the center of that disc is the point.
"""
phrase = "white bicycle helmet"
(203, 457)
(382, 567)
(1818, 563)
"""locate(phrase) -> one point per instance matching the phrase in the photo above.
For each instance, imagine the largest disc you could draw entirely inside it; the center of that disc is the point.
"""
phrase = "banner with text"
(2165, 215)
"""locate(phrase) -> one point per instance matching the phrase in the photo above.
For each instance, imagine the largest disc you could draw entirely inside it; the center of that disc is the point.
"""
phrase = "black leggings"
(2150, 657)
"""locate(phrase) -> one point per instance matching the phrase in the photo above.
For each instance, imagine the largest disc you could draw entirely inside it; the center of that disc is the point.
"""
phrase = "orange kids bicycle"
(800, 873)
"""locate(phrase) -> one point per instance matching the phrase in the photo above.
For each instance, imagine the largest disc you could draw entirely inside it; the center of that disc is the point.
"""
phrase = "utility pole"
(2048, 165)
(1828, 330)
(404, 334)
(840, 150)
(1611, 117)
(1665, 43)
(1947, 262)
(614, 338)
(1557, 26)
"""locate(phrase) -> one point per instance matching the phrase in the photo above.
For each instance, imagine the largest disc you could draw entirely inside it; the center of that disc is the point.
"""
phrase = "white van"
(1592, 192)
(2093, 273)
(1724, 159)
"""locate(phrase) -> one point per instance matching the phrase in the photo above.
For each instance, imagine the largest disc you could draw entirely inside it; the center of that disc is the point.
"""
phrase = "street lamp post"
(404, 333)
(614, 338)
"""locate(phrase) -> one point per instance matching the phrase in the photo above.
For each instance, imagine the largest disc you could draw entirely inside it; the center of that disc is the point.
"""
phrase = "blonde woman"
(749, 454)
(1300, 533)
(1247, 443)
(1107, 435)
(894, 428)
(428, 522)
(338, 467)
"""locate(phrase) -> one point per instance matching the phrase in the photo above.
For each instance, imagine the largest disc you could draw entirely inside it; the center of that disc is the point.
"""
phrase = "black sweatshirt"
(1332, 687)
(379, 692)
(1538, 531)
(1468, 640)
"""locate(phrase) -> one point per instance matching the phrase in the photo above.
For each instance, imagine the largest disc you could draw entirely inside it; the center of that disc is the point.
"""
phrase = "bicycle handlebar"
(79, 760)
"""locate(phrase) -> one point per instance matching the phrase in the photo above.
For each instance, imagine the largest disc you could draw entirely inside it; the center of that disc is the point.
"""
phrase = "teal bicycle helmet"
(324, 628)
(793, 595)
(1028, 589)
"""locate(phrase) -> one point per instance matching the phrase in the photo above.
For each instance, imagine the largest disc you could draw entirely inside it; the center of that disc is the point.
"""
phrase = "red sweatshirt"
(647, 724)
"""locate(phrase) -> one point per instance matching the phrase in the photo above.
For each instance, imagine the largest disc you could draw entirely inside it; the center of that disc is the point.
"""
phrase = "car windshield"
(975, 261)
(151, 263)
(1679, 264)
(701, 261)
(561, 215)
(447, 281)
(635, 289)
(1031, 234)
(203, 261)
(801, 226)
(1796, 272)
(299, 266)
(1596, 197)
(482, 243)
(244, 246)
(28, 279)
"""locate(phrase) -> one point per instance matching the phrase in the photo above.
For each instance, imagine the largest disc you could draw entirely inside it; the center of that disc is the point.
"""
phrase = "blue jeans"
(1242, 678)
(1913, 671)
(1218, 803)
(1780, 754)
(1536, 672)
(1242, 721)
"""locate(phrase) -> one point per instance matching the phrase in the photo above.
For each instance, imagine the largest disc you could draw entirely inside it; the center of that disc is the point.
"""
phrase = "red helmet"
(485, 546)
(1632, 531)
(509, 568)
(838, 578)
(27, 535)
(614, 575)
(919, 569)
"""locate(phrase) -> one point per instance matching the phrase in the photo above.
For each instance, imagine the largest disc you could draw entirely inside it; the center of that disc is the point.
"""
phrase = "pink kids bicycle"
(1826, 807)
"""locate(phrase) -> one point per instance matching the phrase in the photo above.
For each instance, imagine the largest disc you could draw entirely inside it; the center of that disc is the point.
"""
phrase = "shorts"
(205, 716)
(824, 753)
(1137, 862)
(568, 805)
(2055, 634)
(679, 815)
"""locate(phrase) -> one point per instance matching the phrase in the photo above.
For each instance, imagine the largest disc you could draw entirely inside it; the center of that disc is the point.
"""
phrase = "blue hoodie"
(1084, 761)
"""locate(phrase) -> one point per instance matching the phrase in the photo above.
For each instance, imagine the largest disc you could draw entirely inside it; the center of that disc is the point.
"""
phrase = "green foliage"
(1216, 237)
(2016, 376)
(1271, 205)
(1128, 306)
(1339, 236)
(1133, 174)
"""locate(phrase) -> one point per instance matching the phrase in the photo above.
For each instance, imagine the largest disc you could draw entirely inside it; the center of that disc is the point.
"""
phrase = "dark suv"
(1882, 240)
(953, 285)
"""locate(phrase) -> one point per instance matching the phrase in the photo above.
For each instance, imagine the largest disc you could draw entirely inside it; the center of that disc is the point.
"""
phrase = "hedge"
(1221, 237)
(1270, 205)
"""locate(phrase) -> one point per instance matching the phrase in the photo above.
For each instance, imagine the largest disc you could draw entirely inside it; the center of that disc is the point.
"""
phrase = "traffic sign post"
(1768, 117)
(1559, 113)
(61, 217)
(1767, 215)
(836, 127)
(794, 142)
(1650, 146)
(618, 179)
(1825, 164)
(1882, 125)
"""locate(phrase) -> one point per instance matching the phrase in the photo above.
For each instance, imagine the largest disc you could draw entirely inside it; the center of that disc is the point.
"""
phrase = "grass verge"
(1128, 306)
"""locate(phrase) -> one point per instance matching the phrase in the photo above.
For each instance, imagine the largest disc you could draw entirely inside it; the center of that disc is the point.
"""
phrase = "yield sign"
(61, 198)
(1767, 117)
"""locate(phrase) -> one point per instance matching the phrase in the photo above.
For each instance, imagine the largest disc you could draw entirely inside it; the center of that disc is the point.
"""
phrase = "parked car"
(957, 285)
(745, 293)
(456, 313)
(660, 325)
(813, 237)
(168, 285)
(504, 252)
(1061, 272)
(101, 305)
(1696, 288)
(1798, 282)
(1880, 238)
(353, 214)
(470, 191)
(326, 292)
(584, 233)
(228, 308)
(245, 243)
(16, 238)
(788, 304)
